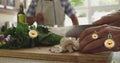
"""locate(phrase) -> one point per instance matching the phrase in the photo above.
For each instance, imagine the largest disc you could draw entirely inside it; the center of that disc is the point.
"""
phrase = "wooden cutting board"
(43, 53)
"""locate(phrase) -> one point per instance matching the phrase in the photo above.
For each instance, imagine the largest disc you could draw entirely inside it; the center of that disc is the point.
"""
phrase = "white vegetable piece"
(67, 44)
(56, 49)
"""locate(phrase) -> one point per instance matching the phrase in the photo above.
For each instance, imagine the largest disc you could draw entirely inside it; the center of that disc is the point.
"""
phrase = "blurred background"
(87, 11)
(91, 10)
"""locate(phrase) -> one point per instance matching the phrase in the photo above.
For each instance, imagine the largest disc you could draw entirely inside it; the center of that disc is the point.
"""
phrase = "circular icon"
(94, 35)
(33, 33)
(109, 43)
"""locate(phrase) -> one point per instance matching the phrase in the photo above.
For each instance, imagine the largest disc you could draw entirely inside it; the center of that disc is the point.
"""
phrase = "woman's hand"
(39, 17)
(110, 19)
(90, 44)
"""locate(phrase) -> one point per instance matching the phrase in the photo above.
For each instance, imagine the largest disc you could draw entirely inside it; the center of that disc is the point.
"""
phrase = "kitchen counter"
(43, 53)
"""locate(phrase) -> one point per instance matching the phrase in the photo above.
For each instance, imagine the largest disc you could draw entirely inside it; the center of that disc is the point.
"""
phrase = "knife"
(70, 31)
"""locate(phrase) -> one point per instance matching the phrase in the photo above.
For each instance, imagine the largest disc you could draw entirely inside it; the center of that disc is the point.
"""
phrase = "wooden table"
(43, 53)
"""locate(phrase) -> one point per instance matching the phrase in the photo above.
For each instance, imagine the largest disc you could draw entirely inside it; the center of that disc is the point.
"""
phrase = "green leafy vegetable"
(20, 37)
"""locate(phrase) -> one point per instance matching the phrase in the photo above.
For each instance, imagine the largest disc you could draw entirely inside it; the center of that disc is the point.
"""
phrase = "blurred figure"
(50, 12)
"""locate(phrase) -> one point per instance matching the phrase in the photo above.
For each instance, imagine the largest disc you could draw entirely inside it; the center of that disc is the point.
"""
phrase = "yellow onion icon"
(33, 33)
(109, 43)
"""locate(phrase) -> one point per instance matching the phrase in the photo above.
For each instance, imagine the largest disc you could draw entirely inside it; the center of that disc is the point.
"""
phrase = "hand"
(31, 20)
(90, 45)
(110, 19)
(39, 17)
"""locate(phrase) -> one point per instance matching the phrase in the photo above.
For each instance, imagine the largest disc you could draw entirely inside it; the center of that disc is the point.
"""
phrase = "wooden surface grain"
(43, 53)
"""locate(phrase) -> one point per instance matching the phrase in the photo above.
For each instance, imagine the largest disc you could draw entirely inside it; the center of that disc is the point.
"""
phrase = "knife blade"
(70, 31)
